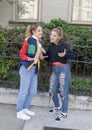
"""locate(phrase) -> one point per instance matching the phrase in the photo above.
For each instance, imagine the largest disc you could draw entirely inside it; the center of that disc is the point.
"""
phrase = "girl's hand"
(62, 54)
(30, 59)
(42, 57)
(43, 50)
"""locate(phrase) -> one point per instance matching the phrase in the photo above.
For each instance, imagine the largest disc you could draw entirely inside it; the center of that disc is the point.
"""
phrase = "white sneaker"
(21, 115)
(28, 112)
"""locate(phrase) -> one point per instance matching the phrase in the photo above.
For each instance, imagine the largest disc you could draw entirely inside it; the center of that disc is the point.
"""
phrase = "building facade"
(72, 11)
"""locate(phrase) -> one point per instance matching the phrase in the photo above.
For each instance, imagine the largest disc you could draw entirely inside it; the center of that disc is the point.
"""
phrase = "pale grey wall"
(50, 9)
(6, 13)
(55, 9)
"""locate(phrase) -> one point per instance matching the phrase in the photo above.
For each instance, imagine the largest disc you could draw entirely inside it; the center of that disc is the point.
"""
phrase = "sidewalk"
(79, 114)
(77, 119)
(8, 120)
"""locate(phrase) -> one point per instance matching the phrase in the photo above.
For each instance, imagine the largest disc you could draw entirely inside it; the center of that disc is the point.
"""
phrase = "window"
(26, 10)
(81, 11)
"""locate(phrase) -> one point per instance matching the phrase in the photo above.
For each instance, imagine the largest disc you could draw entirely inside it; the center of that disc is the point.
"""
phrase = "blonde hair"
(59, 31)
(28, 32)
(32, 28)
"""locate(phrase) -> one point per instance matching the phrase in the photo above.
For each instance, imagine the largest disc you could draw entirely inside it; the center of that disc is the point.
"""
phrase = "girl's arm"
(23, 52)
(68, 53)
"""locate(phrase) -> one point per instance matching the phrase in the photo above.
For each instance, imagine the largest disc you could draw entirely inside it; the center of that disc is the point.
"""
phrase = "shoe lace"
(60, 115)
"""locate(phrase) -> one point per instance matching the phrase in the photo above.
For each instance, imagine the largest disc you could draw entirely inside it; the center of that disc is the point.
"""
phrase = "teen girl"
(58, 54)
(29, 66)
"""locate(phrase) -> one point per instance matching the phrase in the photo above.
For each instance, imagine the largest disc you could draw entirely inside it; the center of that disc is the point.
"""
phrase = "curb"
(9, 96)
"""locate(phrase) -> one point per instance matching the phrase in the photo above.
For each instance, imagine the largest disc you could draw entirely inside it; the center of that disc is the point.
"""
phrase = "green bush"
(11, 41)
(81, 37)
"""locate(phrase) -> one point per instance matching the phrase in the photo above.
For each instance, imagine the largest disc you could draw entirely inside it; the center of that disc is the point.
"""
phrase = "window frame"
(83, 22)
(16, 19)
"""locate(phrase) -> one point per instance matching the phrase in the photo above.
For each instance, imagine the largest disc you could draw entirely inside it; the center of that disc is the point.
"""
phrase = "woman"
(29, 66)
(58, 54)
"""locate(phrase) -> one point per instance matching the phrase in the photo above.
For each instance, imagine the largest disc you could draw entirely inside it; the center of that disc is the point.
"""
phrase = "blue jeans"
(28, 87)
(60, 81)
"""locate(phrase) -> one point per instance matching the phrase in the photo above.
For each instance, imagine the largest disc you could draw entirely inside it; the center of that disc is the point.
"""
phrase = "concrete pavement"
(77, 119)
(8, 120)
(79, 114)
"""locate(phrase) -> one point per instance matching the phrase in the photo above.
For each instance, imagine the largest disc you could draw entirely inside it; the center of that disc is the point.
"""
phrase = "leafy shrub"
(11, 41)
(81, 39)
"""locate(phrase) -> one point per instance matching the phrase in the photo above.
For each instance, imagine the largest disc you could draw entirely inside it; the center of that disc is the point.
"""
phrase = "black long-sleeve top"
(54, 49)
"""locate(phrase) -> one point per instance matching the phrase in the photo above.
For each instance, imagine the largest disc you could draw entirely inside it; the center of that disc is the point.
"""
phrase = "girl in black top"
(58, 54)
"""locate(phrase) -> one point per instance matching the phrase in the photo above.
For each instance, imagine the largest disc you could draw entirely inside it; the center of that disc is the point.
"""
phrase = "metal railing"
(81, 82)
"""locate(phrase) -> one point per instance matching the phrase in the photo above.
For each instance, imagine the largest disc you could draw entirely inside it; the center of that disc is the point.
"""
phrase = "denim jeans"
(28, 87)
(60, 81)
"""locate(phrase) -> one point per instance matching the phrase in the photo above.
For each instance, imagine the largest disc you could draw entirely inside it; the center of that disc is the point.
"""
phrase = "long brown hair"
(33, 27)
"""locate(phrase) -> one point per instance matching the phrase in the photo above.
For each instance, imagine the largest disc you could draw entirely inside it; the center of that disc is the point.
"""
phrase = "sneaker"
(28, 112)
(21, 115)
(55, 110)
(61, 117)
